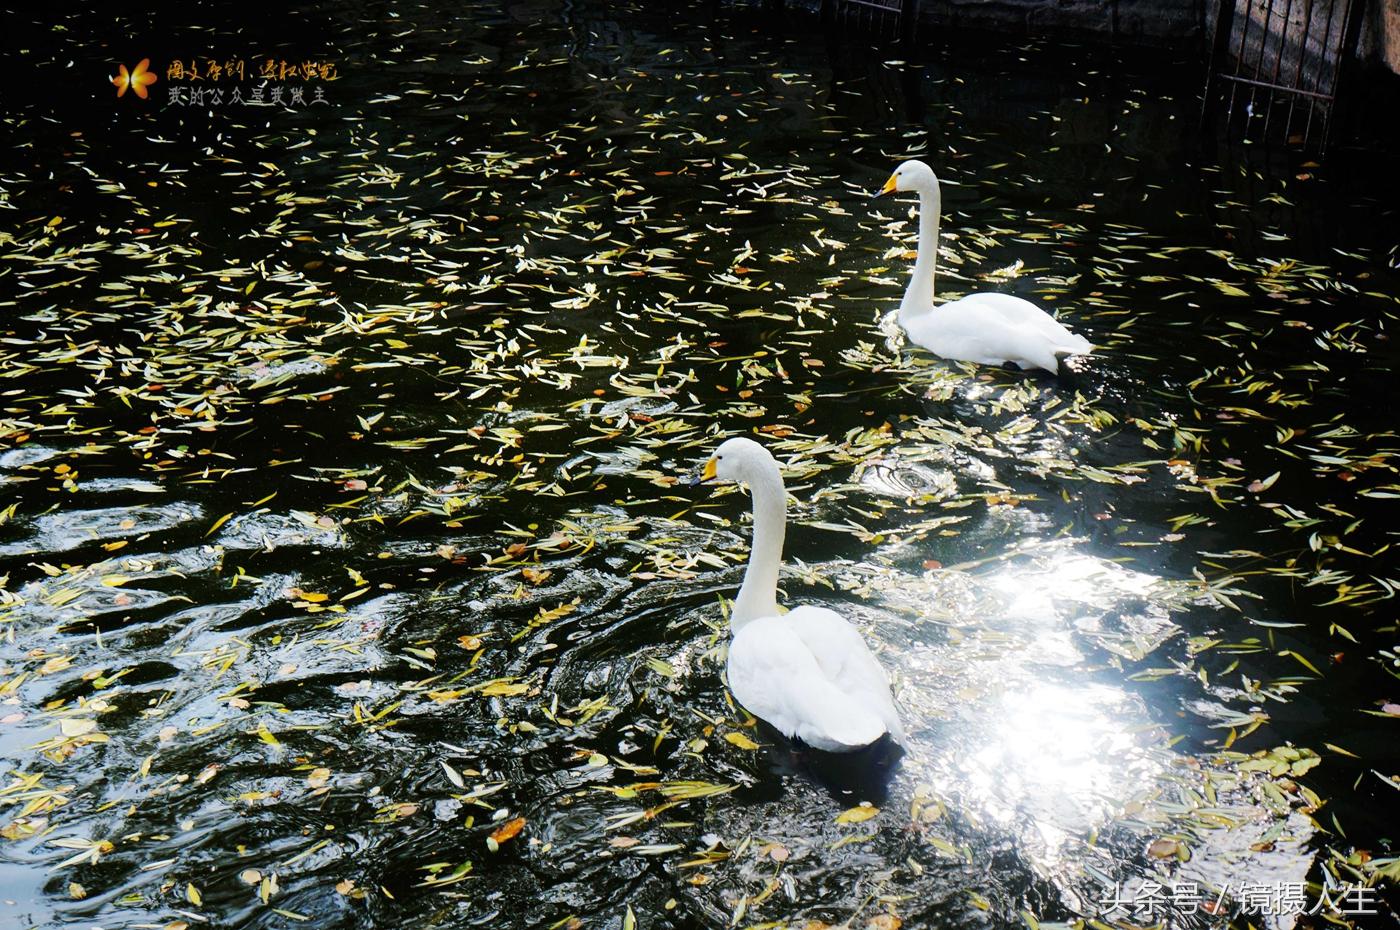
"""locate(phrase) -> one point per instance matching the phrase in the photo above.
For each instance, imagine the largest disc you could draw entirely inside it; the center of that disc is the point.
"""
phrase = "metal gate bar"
(899, 17)
(1308, 53)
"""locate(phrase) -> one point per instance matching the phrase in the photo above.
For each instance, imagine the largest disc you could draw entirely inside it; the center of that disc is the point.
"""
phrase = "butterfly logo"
(137, 80)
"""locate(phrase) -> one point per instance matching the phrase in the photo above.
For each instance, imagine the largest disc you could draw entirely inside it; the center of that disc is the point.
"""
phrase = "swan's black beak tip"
(705, 475)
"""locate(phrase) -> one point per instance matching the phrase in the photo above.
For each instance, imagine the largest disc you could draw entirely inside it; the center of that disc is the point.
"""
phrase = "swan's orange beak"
(889, 188)
(708, 473)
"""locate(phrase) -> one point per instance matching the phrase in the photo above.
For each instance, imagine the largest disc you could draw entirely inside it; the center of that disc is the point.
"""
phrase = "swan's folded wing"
(1019, 312)
(775, 676)
(846, 660)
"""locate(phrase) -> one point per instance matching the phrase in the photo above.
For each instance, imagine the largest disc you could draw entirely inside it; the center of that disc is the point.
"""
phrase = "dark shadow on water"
(848, 777)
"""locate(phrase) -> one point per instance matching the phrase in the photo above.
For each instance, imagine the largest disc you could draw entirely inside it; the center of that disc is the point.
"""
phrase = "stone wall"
(1380, 33)
(1377, 38)
(1147, 21)
(1153, 22)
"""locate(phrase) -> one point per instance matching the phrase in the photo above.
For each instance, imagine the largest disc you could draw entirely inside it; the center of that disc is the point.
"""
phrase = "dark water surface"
(346, 577)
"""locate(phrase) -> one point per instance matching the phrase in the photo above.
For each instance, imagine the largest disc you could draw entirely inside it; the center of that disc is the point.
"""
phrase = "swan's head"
(739, 459)
(913, 175)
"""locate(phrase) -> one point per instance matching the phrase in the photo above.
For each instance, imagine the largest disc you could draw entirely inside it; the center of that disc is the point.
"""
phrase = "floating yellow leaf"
(504, 688)
(858, 814)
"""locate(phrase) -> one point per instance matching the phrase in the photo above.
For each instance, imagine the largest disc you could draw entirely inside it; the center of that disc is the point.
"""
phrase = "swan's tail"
(846, 736)
(1059, 354)
(1079, 346)
(834, 723)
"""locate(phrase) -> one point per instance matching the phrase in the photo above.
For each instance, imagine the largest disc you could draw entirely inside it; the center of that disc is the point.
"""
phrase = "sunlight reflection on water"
(1045, 750)
(1027, 738)
(1015, 729)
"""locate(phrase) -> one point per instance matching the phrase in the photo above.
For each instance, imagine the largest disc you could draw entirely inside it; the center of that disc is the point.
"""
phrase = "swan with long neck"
(988, 328)
(808, 672)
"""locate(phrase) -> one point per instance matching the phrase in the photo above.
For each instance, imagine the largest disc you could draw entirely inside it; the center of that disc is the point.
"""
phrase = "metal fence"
(884, 19)
(1275, 67)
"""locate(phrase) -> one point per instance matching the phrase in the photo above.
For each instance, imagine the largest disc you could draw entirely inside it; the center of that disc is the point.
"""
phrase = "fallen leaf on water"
(77, 726)
(508, 829)
(740, 740)
(858, 814)
(1164, 848)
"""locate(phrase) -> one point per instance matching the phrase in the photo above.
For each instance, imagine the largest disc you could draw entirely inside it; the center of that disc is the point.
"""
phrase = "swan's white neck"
(918, 298)
(758, 596)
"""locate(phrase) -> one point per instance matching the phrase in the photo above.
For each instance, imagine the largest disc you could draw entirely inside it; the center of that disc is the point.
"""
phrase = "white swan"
(808, 672)
(990, 329)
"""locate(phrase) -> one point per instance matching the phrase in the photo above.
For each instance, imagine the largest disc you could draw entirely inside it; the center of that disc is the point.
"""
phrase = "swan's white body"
(811, 675)
(808, 672)
(990, 329)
